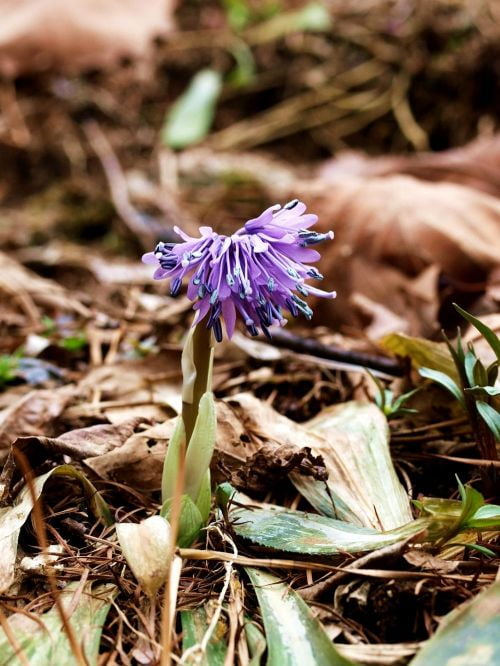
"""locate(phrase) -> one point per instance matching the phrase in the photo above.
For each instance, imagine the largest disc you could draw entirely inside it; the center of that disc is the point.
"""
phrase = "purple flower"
(255, 272)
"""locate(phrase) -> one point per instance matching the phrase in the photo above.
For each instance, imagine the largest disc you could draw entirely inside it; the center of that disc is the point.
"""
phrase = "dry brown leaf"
(138, 462)
(86, 442)
(71, 36)
(32, 414)
(413, 224)
(477, 165)
(429, 562)
(373, 295)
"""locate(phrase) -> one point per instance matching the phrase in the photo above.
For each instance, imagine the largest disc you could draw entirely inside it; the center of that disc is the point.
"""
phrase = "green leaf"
(294, 636)
(476, 547)
(190, 520)
(486, 517)
(74, 342)
(172, 462)
(238, 13)
(308, 534)
(204, 499)
(43, 640)
(490, 416)
(492, 372)
(12, 518)
(423, 353)
(445, 381)
(490, 336)
(468, 635)
(201, 446)
(194, 625)
(190, 118)
(244, 71)
(470, 362)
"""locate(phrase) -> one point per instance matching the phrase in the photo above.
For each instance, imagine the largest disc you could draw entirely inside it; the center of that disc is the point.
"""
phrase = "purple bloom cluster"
(255, 272)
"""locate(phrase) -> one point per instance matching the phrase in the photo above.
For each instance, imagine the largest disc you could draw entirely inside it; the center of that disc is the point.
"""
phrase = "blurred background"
(121, 118)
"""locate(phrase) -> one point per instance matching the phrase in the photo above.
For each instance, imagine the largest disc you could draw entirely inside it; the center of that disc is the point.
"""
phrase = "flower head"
(256, 272)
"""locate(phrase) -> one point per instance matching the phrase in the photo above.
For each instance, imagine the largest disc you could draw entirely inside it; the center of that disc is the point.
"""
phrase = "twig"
(312, 347)
(195, 554)
(134, 220)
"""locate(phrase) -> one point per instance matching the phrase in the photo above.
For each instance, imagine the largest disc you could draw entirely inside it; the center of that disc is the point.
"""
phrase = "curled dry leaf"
(87, 33)
(138, 462)
(13, 517)
(413, 224)
(78, 444)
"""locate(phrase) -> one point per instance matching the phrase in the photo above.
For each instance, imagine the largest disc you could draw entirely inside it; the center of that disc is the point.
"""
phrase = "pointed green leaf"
(469, 365)
(469, 635)
(443, 380)
(490, 336)
(294, 636)
(201, 446)
(490, 416)
(190, 118)
(484, 390)
(172, 462)
(486, 517)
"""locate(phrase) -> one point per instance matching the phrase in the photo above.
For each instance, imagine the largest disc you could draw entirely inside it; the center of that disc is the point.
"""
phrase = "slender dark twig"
(312, 347)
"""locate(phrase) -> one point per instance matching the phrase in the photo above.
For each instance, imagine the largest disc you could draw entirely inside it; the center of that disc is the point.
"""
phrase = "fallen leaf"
(423, 353)
(138, 462)
(88, 33)
(412, 224)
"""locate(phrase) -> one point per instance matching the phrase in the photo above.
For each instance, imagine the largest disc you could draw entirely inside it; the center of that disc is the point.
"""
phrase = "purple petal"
(229, 316)
(160, 273)
(149, 258)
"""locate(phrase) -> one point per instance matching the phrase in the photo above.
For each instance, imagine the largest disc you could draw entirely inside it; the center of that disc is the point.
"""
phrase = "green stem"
(197, 369)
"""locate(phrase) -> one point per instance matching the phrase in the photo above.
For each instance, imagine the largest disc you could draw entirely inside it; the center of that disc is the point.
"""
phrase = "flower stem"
(197, 369)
